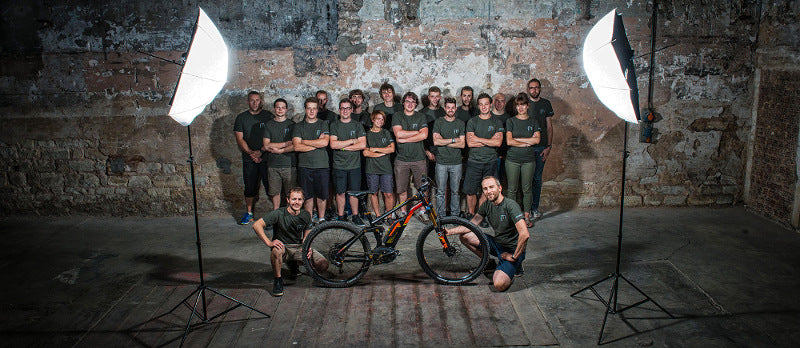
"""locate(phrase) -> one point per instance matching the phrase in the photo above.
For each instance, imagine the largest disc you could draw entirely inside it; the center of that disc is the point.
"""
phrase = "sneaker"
(315, 217)
(468, 216)
(536, 214)
(247, 218)
(340, 218)
(277, 287)
(358, 220)
(490, 267)
(520, 271)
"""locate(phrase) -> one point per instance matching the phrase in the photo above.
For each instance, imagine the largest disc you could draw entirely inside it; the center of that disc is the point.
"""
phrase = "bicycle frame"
(392, 237)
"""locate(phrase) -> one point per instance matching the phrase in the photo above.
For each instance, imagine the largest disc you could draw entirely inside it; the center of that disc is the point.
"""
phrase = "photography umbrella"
(608, 61)
(202, 77)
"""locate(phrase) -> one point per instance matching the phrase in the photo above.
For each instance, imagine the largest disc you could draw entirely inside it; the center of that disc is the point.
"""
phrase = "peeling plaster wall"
(85, 129)
(772, 185)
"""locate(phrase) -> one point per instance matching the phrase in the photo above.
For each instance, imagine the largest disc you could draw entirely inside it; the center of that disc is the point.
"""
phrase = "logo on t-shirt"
(503, 217)
(530, 128)
(491, 128)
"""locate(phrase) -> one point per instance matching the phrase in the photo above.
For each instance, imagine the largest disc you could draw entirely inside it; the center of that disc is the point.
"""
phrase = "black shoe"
(468, 216)
(490, 267)
(358, 220)
(277, 287)
(484, 223)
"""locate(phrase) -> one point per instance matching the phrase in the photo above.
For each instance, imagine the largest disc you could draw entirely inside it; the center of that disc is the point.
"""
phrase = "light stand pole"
(202, 288)
(612, 304)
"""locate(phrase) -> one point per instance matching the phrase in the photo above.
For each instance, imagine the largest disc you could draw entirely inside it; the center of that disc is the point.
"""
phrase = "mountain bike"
(347, 249)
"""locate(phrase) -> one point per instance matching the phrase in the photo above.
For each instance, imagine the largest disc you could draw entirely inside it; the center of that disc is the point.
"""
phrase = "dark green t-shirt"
(540, 111)
(484, 129)
(317, 158)
(279, 132)
(432, 115)
(396, 108)
(252, 127)
(502, 218)
(410, 152)
(343, 159)
(286, 227)
(379, 165)
(448, 130)
(521, 129)
(363, 117)
(466, 115)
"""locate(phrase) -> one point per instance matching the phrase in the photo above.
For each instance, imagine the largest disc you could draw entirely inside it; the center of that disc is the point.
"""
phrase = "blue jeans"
(537, 176)
(444, 171)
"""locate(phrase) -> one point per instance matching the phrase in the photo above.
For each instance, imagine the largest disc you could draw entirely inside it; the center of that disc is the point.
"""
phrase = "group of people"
(398, 141)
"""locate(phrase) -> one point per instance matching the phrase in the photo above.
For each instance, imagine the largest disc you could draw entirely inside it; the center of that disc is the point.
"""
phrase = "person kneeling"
(510, 233)
(290, 226)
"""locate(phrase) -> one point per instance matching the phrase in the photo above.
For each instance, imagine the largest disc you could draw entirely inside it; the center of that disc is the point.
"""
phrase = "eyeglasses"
(346, 108)
(409, 101)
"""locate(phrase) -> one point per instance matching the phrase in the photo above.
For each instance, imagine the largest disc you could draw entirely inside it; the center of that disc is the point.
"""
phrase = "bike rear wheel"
(456, 264)
(345, 264)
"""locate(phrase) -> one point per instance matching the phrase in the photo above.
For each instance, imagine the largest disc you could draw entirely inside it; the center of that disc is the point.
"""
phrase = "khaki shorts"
(280, 178)
(294, 252)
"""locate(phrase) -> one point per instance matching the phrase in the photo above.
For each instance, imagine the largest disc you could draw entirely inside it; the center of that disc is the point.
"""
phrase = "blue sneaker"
(247, 218)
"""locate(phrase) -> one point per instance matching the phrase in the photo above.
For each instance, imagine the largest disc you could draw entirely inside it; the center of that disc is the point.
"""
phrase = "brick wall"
(85, 129)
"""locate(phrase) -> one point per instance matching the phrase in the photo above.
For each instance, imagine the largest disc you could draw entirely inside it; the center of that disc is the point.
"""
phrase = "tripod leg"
(191, 316)
(240, 303)
(183, 302)
(591, 285)
(647, 297)
(609, 304)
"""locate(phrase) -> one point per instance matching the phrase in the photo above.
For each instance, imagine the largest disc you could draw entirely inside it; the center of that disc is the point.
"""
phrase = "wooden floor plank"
(285, 316)
(480, 315)
(432, 323)
(201, 334)
(456, 318)
(112, 328)
(256, 328)
(530, 316)
(165, 327)
(309, 317)
(333, 331)
(506, 319)
(358, 316)
(231, 324)
(407, 318)
(381, 323)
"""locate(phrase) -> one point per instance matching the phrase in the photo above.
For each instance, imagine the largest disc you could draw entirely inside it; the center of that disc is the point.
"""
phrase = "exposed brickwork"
(774, 172)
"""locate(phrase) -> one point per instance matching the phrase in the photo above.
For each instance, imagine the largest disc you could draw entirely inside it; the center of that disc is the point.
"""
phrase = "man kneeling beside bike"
(511, 233)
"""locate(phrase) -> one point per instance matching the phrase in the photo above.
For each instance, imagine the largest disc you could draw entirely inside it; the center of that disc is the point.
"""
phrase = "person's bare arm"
(258, 227)
(522, 242)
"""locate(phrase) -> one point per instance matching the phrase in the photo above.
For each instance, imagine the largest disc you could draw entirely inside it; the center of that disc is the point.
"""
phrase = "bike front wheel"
(345, 255)
(454, 264)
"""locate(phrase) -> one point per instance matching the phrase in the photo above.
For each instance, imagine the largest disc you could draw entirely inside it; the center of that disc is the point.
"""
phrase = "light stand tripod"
(202, 288)
(612, 305)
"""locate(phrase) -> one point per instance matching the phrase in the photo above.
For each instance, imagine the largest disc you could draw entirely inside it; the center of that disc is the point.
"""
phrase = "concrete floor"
(729, 277)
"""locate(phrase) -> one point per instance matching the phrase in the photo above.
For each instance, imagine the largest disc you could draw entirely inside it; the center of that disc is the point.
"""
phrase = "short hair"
(355, 92)
(254, 93)
(534, 80)
(466, 88)
(434, 89)
(520, 99)
(484, 96)
(275, 103)
(496, 181)
(310, 100)
(345, 100)
(375, 114)
(386, 86)
(296, 189)
(412, 95)
(321, 91)
(450, 100)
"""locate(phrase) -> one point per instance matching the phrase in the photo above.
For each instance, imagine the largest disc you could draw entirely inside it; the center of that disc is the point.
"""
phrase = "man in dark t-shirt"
(540, 110)
(290, 226)
(510, 233)
(248, 129)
